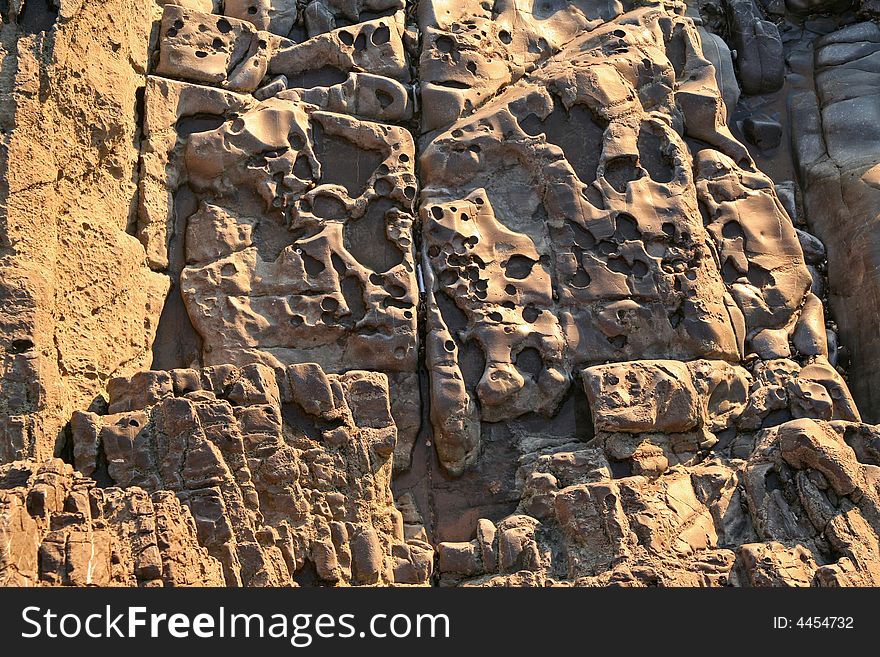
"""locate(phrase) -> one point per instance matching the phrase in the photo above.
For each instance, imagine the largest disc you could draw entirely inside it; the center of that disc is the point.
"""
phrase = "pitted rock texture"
(405, 293)
(616, 243)
(286, 223)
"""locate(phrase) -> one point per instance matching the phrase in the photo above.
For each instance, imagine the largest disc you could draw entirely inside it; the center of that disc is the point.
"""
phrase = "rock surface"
(78, 303)
(438, 293)
(287, 478)
(58, 528)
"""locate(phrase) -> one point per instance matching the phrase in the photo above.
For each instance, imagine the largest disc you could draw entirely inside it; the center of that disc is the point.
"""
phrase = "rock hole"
(452, 315)
(445, 44)
(581, 279)
(20, 346)
(366, 240)
(639, 269)
(518, 267)
(582, 237)
(325, 76)
(188, 125)
(385, 99)
(472, 362)
(313, 266)
(531, 314)
(529, 360)
(620, 171)
(353, 293)
(732, 230)
(618, 265)
(626, 228)
(576, 132)
(343, 162)
(652, 158)
(452, 84)
(328, 207)
(759, 277)
(381, 35)
(302, 168)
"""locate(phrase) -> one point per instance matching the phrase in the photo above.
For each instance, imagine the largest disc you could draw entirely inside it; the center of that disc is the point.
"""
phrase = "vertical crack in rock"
(457, 294)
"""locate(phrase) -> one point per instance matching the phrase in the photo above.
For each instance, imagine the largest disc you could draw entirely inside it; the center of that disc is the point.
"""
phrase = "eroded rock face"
(78, 303)
(287, 479)
(837, 155)
(537, 268)
(59, 529)
(288, 227)
(792, 505)
(606, 237)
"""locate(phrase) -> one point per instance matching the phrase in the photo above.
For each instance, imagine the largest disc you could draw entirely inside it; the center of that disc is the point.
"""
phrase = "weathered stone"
(632, 375)
(265, 483)
(115, 537)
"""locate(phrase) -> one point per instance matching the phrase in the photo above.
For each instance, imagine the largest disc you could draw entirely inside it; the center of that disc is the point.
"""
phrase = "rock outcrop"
(838, 149)
(286, 478)
(58, 528)
(78, 303)
(411, 293)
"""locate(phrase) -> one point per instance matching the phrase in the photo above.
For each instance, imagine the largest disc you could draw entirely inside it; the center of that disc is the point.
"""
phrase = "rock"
(763, 132)
(276, 86)
(458, 559)
(817, 6)
(211, 50)
(353, 302)
(265, 501)
(836, 154)
(648, 396)
(536, 215)
(275, 16)
(773, 564)
(809, 337)
(814, 250)
(323, 15)
(60, 529)
(758, 45)
(79, 304)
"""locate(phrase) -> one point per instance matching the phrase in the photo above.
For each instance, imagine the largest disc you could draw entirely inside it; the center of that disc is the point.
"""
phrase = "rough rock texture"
(58, 528)
(286, 228)
(286, 479)
(452, 293)
(78, 304)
